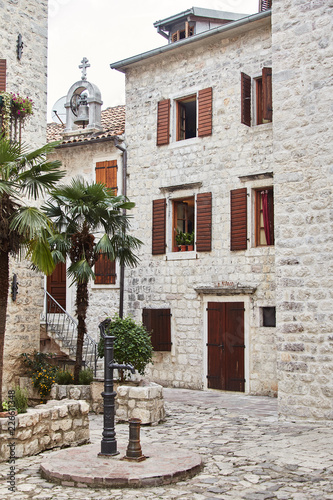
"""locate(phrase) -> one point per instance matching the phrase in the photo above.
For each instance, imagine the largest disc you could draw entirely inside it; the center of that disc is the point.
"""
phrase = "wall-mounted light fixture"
(14, 287)
(19, 47)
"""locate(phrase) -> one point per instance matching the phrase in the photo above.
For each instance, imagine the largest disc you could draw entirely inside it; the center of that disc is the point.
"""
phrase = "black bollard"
(109, 443)
(134, 451)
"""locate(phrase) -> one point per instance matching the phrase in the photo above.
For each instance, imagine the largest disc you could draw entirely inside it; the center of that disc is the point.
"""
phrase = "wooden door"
(226, 346)
(56, 284)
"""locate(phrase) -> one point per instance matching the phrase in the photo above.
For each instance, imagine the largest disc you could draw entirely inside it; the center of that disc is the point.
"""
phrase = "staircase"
(62, 328)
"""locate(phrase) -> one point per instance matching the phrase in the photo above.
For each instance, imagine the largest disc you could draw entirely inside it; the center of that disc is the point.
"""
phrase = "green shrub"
(39, 369)
(64, 377)
(20, 400)
(132, 343)
(86, 376)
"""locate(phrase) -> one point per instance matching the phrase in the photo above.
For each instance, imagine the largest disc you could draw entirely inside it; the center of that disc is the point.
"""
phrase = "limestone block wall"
(81, 161)
(217, 162)
(54, 425)
(28, 78)
(302, 91)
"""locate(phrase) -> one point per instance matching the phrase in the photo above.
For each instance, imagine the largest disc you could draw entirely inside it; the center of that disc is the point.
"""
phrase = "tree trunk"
(82, 300)
(4, 280)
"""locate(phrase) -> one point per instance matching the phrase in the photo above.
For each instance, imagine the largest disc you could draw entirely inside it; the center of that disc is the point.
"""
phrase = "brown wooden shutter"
(158, 237)
(204, 222)
(2, 75)
(106, 173)
(163, 122)
(105, 271)
(267, 94)
(158, 322)
(238, 219)
(265, 5)
(205, 99)
(246, 99)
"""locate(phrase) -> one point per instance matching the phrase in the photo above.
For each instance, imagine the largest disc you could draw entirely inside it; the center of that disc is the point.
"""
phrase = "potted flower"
(181, 240)
(189, 239)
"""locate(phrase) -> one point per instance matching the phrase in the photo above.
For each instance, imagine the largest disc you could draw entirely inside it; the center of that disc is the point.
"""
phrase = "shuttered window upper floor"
(3, 69)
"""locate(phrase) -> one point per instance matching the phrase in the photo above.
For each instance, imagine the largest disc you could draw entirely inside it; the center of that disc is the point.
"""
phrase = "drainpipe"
(122, 267)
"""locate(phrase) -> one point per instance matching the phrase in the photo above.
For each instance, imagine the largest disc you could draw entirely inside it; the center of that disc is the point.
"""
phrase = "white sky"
(106, 31)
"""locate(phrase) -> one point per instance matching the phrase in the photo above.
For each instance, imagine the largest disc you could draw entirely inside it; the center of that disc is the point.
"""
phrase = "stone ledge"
(54, 425)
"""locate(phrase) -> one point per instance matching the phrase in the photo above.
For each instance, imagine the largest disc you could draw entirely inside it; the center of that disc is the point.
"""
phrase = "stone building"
(227, 133)
(23, 70)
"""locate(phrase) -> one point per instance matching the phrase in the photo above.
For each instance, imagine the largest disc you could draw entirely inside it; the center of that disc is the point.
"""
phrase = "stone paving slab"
(247, 453)
(81, 466)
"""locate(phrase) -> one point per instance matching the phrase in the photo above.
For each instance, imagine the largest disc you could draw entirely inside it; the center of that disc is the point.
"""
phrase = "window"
(262, 97)
(186, 213)
(185, 33)
(264, 217)
(105, 269)
(268, 316)
(2, 75)
(238, 219)
(158, 322)
(193, 117)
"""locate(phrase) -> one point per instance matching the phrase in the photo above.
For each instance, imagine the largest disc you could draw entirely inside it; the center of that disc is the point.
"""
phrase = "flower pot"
(183, 248)
(190, 248)
(175, 249)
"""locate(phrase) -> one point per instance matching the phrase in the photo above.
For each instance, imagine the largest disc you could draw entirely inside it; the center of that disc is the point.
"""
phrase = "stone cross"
(85, 64)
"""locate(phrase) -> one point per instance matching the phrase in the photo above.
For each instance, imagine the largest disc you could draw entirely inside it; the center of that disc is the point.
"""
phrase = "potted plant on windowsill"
(189, 239)
(181, 240)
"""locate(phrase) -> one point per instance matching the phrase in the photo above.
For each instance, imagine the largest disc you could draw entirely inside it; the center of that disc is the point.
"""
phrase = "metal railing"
(63, 327)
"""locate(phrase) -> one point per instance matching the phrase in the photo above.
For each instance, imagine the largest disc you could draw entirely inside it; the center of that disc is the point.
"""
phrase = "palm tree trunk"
(4, 280)
(82, 301)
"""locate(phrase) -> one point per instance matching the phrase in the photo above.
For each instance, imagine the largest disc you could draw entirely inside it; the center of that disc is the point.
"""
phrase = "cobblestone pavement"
(247, 453)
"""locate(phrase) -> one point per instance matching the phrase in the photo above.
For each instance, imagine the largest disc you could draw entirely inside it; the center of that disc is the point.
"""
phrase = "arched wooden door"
(225, 346)
(56, 284)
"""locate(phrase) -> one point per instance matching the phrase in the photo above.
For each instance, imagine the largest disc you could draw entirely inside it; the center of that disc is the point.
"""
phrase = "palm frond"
(80, 272)
(40, 255)
(29, 222)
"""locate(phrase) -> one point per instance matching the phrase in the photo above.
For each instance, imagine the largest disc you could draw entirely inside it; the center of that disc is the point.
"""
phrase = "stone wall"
(302, 96)
(28, 78)
(217, 162)
(54, 425)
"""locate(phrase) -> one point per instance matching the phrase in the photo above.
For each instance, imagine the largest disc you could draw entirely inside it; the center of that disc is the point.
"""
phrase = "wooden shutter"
(2, 75)
(106, 173)
(205, 98)
(158, 322)
(246, 99)
(158, 237)
(265, 5)
(204, 222)
(163, 122)
(105, 271)
(238, 219)
(267, 109)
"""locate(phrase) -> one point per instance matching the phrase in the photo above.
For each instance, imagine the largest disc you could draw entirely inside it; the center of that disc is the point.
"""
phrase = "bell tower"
(83, 105)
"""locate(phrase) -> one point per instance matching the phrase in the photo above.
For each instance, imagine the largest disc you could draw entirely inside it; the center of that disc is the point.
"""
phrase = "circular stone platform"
(81, 466)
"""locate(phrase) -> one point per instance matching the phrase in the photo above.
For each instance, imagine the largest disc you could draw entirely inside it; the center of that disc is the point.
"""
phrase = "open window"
(264, 217)
(183, 33)
(262, 97)
(186, 118)
(190, 215)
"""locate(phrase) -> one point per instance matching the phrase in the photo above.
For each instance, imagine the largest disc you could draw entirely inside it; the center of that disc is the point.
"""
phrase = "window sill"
(184, 142)
(108, 287)
(181, 255)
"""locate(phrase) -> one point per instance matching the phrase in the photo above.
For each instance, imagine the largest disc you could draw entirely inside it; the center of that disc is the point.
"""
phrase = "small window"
(181, 34)
(158, 323)
(264, 217)
(183, 222)
(187, 118)
(262, 95)
(268, 316)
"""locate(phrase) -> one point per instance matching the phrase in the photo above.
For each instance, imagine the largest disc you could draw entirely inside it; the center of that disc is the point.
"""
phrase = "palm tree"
(24, 175)
(90, 221)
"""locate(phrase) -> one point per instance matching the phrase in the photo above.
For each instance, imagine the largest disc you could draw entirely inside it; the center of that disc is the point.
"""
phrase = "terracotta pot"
(175, 249)
(183, 248)
(190, 248)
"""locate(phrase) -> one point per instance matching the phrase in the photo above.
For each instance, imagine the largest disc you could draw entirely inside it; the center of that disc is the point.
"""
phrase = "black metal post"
(109, 443)
(134, 451)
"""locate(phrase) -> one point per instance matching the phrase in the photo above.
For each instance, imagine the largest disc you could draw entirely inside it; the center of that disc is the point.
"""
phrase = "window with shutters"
(264, 217)
(105, 269)
(190, 116)
(2, 75)
(158, 322)
(256, 98)
(189, 217)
